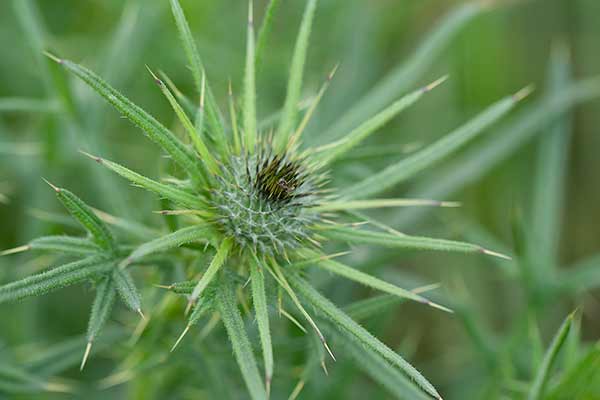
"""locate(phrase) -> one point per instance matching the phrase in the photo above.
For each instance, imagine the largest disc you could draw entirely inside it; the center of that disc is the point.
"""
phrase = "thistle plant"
(257, 201)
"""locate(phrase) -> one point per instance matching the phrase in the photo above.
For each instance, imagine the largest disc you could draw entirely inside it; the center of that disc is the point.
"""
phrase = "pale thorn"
(55, 188)
(450, 204)
(327, 348)
(495, 254)
(435, 83)
(187, 328)
(86, 354)
(202, 90)
(268, 385)
(58, 387)
(169, 287)
(139, 311)
(426, 288)
(15, 250)
(246, 283)
(53, 57)
(521, 94)
(188, 307)
(324, 367)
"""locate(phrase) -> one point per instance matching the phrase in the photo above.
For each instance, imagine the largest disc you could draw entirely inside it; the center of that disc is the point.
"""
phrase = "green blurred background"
(496, 53)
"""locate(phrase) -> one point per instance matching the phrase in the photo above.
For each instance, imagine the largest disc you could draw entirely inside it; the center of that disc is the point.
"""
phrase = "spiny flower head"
(258, 201)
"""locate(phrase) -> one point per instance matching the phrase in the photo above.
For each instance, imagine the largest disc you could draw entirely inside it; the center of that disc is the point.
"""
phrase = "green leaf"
(376, 283)
(381, 203)
(580, 277)
(548, 189)
(404, 76)
(332, 151)
(288, 119)
(352, 235)
(214, 266)
(177, 196)
(537, 388)
(265, 31)
(239, 340)
(56, 278)
(407, 168)
(197, 68)
(148, 124)
(101, 309)
(126, 288)
(580, 382)
(259, 298)
(249, 112)
(86, 217)
(65, 244)
(167, 242)
(18, 381)
(190, 129)
(345, 324)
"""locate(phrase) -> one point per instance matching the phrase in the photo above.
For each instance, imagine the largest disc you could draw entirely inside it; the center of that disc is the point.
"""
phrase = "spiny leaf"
(214, 266)
(197, 68)
(127, 290)
(177, 196)
(103, 304)
(86, 217)
(334, 150)
(249, 113)
(194, 136)
(344, 323)
(239, 340)
(148, 124)
(167, 242)
(65, 244)
(352, 235)
(56, 278)
(406, 74)
(259, 298)
(405, 169)
(265, 31)
(381, 203)
(537, 388)
(290, 111)
(368, 280)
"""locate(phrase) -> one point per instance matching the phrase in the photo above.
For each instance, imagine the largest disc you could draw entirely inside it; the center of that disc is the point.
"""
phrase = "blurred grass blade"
(240, 342)
(177, 196)
(345, 324)
(19, 382)
(332, 151)
(405, 75)
(376, 283)
(581, 277)
(536, 391)
(167, 242)
(22, 104)
(550, 174)
(65, 244)
(127, 290)
(55, 278)
(214, 266)
(290, 108)
(190, 129)
(405, 169)
(249, 112)
(148, 124)
(259, 298)
(265, 31)
(356, 236)
(86, 217)
(381, 203)
(101, 309)
(215, 120)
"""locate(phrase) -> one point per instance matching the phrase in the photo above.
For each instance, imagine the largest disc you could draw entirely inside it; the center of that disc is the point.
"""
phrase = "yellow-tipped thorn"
(88, 348)
(93, 157)
(521, 94)
(139, 311)
(19, 249)
(187, 328)
(436, 83)
(333, 71)
(55, 188)
(324, 367)
(202, 90)
(495, 254)
(169, 287)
